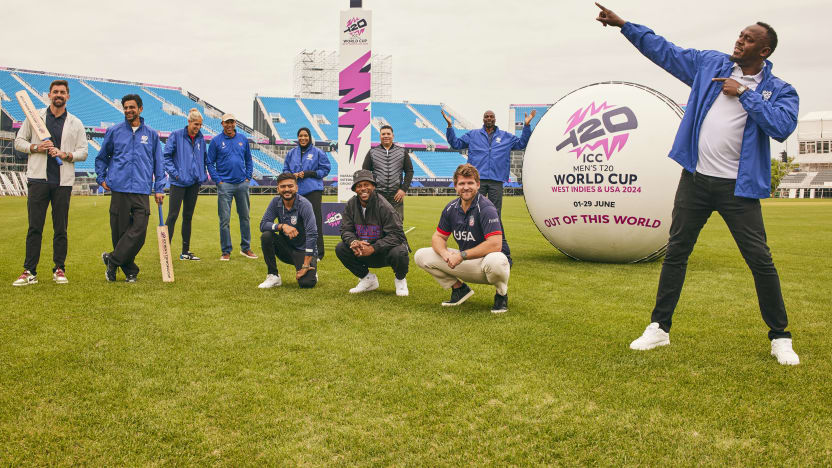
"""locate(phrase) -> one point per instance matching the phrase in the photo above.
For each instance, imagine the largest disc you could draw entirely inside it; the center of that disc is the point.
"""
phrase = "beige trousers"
(492, 269)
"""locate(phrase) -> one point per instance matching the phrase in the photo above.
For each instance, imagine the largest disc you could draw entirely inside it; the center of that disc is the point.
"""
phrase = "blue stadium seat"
(441, 163)
(83, 103)
(289, 110)
(328, 108)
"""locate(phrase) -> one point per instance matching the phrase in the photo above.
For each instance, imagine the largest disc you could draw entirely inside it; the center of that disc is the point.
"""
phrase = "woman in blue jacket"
(310, 165)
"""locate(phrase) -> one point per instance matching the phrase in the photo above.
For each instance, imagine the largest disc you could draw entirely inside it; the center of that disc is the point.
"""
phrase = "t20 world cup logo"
(356, 26)
(609, 132)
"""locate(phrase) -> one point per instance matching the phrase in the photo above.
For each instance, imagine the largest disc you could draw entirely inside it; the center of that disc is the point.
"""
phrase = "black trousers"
(696, 198)
(493, 189)
(40, 196)
(315, 198)
(177, 196)
(129, 213)
(277, 245)
(359, 266)
(397, 205)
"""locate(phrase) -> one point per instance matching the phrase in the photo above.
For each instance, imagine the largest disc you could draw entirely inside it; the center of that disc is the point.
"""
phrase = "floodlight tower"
(354, 113)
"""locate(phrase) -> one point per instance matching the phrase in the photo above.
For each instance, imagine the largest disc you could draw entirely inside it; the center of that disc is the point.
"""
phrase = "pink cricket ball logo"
(356, 26)
(333, 219)
(608, 133)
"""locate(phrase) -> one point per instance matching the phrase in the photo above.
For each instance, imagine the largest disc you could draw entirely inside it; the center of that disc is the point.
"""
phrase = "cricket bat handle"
(161, 219)
(57, 159)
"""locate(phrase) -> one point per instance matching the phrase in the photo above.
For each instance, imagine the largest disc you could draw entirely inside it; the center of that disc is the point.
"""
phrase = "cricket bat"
(38, 125)
(164, 249)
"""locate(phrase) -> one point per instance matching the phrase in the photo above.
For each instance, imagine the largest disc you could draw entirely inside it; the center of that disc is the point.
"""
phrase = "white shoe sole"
(499, 311)
(464, 298)
(402, 293)
(640, 347)
(25, 284)
(784, 362)
(359, 291)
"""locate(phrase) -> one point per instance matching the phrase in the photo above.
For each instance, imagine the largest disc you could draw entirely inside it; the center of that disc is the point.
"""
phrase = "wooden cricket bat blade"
(164, 253)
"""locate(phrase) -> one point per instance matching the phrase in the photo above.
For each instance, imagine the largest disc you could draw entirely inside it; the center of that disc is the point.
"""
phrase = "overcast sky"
(472, 55)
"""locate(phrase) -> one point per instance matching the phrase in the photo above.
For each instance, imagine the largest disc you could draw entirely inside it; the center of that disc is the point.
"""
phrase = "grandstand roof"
(815, 126)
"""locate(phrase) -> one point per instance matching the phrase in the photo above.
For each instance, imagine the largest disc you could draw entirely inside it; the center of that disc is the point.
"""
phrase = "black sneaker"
(500, 304)
(112, 269)
(189, 256)
(459, 295)
(131, 278)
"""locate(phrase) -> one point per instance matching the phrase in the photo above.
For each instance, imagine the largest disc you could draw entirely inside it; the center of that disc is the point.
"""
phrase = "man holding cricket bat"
(50, 182)
(130, 166)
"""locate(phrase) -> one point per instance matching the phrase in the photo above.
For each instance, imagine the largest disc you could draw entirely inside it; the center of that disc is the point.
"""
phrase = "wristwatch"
(463, 254)
(741, 90)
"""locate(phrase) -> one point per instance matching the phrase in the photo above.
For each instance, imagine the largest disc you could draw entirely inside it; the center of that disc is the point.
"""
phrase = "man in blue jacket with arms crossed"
(736, 104)
(129, 165)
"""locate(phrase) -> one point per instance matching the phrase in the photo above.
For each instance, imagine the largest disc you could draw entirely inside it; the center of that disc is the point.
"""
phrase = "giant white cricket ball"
(596, 176)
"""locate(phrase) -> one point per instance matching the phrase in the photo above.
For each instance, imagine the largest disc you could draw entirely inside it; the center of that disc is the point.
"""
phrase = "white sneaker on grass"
(401, 287)
(367, 283)
(652, 337)
(271, 282)
(781, 348)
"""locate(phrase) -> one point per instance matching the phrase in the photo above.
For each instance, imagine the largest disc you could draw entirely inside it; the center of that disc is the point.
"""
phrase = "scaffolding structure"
(316, 75)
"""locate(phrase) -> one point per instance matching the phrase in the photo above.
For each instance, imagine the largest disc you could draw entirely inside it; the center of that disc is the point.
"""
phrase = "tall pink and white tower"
(354, 93)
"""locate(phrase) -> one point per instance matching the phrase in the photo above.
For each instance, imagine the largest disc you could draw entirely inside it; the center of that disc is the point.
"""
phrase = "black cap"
(362, 175)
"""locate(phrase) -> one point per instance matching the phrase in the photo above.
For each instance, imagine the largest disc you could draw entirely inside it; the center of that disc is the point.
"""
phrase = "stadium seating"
(152, 111)
(441, 163)
(402, 120)
(291, 113)
(433, 113)
(83, 103)
(10, 86)
(327, 108)
(823, 176)
(518, 117)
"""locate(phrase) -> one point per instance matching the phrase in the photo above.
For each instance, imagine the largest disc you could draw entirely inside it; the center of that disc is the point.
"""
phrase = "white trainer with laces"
(652, 337)
(271, 282)
(781, 348)
(401, 287)
(367, 283)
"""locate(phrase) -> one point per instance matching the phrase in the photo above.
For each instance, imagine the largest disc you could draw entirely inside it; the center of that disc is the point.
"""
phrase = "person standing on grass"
(736, 104)
(230, 166)
(185, 164)
(392, 169)
(130, 166)
(289, 233)
(483, 256)
(372, 236)
(49, 182)
(309, 165)
(489, 150)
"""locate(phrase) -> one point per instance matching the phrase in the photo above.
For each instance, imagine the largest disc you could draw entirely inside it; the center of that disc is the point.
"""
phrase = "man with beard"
(736, 104)
(392, 169)
(489, 150)
(483, 256)
(50, 182)
(372, 236)
(130, 166)
(290, 233)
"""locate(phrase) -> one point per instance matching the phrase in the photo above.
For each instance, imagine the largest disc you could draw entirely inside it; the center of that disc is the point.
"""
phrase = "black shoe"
(112, 269)
(132, 278)
(189, 256)
(459, 295)
(500, 304)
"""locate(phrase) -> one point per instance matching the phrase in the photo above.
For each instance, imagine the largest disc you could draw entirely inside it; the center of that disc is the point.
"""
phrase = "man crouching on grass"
(372, 236)
(290, 233)
(483, 256)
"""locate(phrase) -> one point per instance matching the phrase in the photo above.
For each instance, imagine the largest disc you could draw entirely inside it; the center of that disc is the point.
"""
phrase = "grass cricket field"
(210, 370)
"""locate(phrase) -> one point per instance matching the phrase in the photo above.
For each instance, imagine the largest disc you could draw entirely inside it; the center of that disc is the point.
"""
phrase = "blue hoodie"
(185, 158)
(772, 108)
(229, 159)
(312, 162)
(491, 155)
(129, 161)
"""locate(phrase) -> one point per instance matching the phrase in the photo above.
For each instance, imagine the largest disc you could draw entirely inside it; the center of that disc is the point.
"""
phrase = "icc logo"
(610, 132)
(333, 218)
(356, 26)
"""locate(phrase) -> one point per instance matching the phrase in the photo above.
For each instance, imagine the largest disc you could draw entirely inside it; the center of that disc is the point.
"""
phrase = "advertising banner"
(597, 178)
(354, 112)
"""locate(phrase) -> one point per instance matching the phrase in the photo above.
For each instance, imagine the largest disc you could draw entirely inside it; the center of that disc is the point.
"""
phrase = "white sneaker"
(367, 283)
(271, 281)
(781, 348)
(401, 287)
(652, 337)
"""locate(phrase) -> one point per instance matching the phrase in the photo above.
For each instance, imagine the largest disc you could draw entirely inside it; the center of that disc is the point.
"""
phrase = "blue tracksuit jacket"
(131, 162)
(185, 159)
(313, 162)
(490, 155)
(772, 108)
(229, 159)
